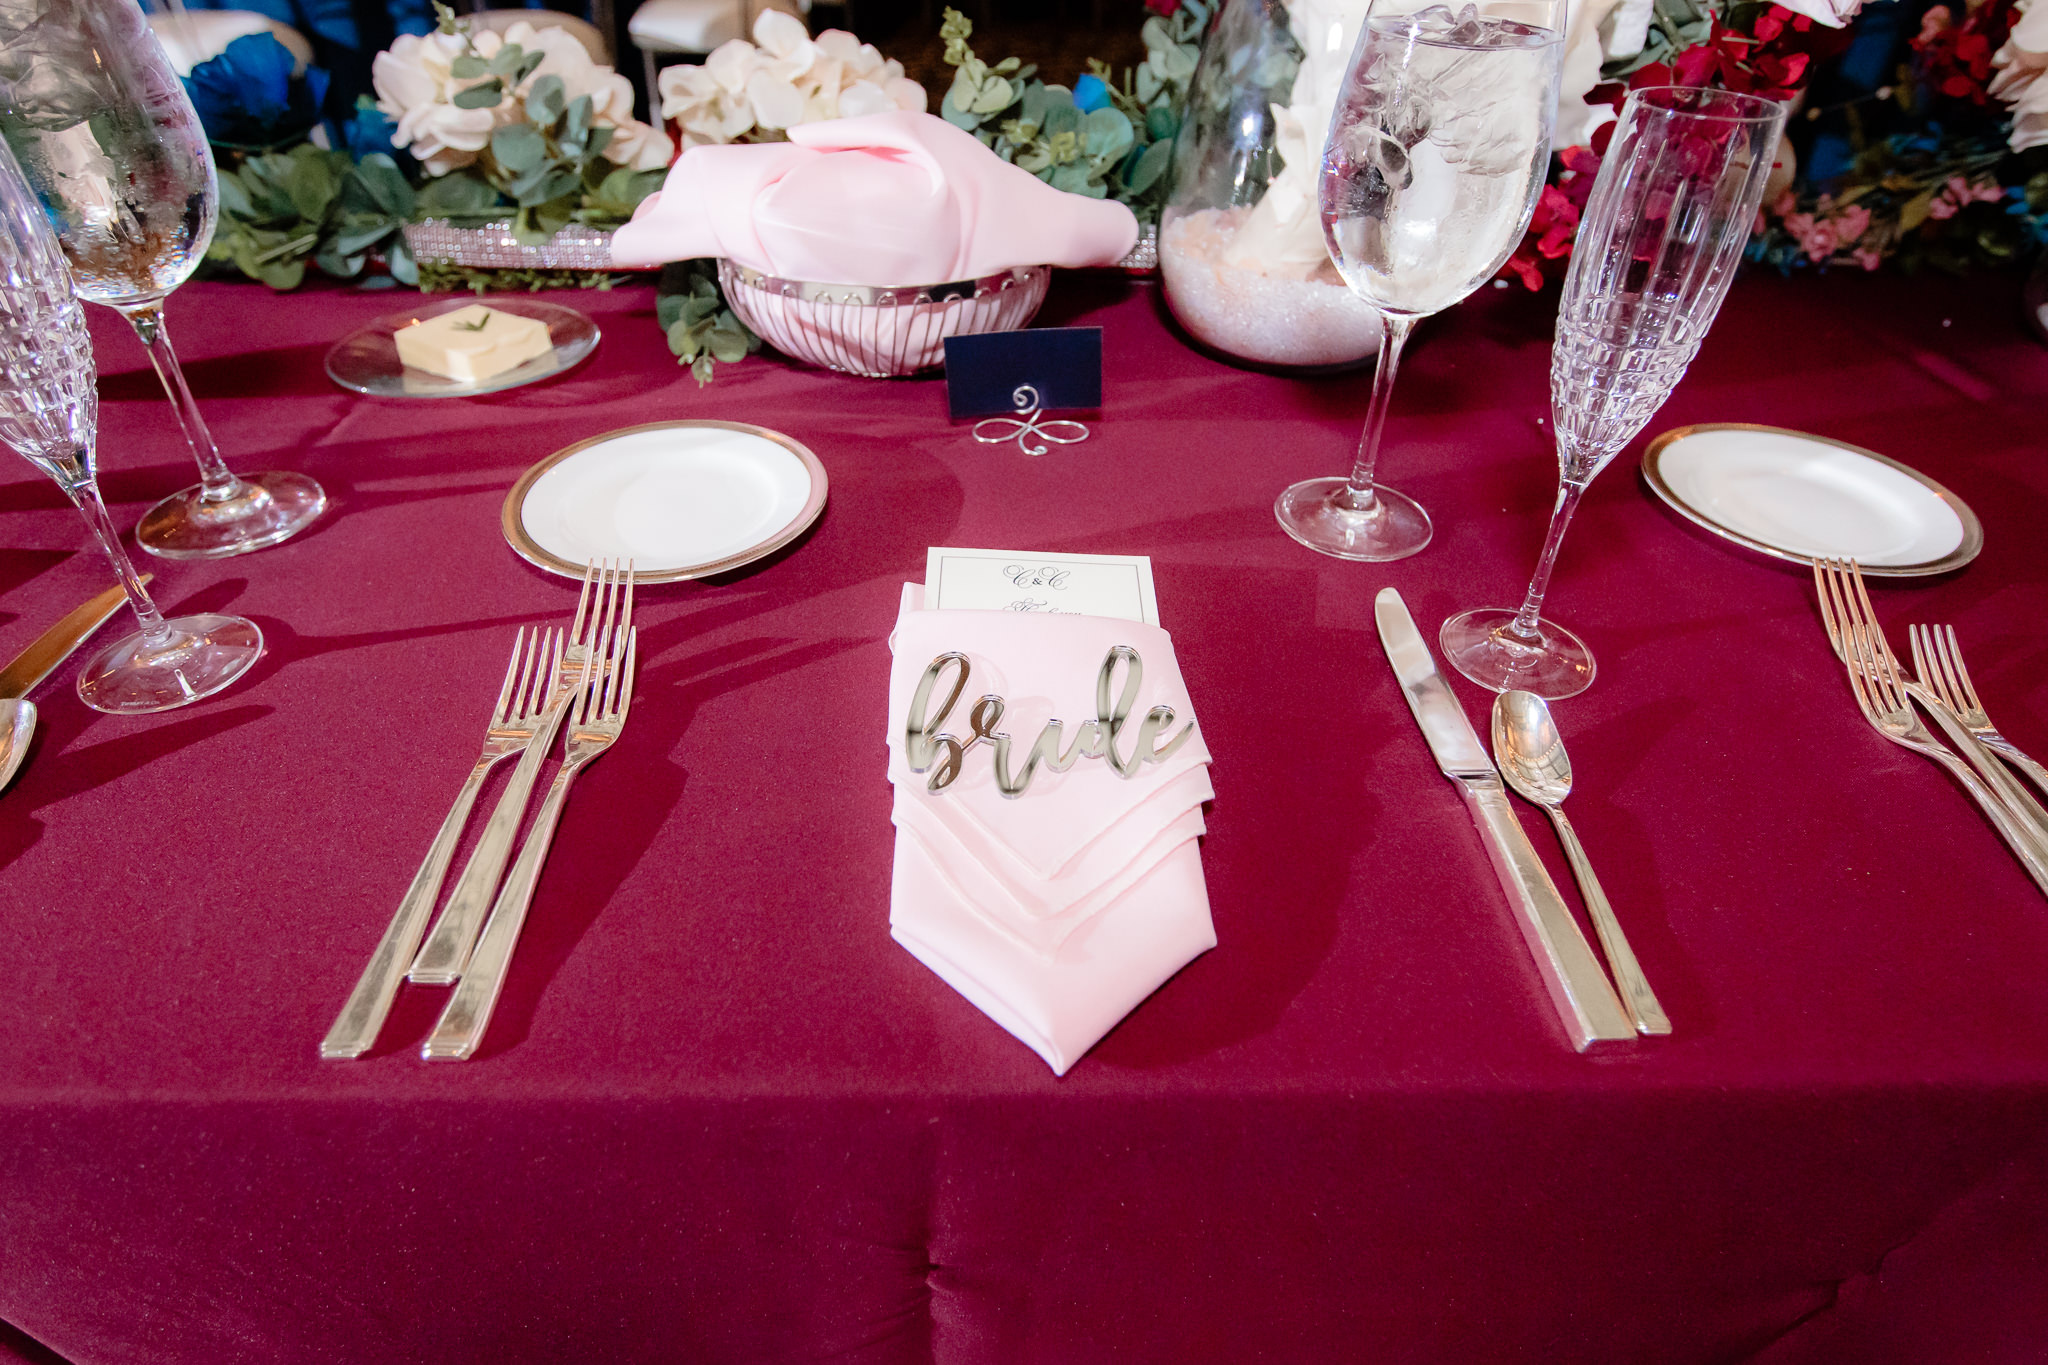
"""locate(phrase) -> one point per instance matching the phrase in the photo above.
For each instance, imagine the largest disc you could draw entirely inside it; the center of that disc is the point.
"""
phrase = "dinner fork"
(447, 949)
(603, 700)
(2002, 783)
(1882, 697)
(1938, 659)
(514, 721)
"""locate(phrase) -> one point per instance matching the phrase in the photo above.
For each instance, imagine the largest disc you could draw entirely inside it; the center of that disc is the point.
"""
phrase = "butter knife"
(1586, 1004)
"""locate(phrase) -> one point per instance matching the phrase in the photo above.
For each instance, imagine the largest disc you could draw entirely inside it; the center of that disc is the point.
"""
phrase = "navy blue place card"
(1063, 365)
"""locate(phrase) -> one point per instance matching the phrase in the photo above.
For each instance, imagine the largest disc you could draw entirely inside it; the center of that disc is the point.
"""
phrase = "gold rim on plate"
(1653, 475)
(527, 549)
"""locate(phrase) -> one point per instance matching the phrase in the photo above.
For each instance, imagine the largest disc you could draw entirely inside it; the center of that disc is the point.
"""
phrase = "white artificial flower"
(781, 79)
(2023, 64)
(1833, 13)
(1583, 54)
(415, 85)
(776, 101)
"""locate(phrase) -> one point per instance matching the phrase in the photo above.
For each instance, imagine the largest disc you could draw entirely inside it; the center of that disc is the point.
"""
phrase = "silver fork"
(447, 949)
(1938, 659)
(514, 721)
(602, 704)
(2002, 783)
(1882, 697)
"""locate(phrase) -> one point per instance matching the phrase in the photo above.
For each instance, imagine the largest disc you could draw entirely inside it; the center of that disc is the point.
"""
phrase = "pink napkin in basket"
(884, 200)
(1057, 912)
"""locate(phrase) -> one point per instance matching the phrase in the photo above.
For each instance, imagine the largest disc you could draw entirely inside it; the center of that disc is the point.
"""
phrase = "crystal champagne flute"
(48, 412)
(1662, 235)
(1435, 158)
(110, 143)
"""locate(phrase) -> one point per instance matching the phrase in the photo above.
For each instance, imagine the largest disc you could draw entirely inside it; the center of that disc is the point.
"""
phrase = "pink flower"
(1942, 207)
(1868, 257)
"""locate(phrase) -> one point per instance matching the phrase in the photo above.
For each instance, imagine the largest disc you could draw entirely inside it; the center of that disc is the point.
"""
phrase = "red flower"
(1163, 8)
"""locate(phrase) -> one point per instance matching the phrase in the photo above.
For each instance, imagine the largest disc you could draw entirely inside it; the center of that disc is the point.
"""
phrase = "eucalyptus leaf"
(1149, 167)
(486, 96)
(354, 238)
(545, 101)
(506, 60)
(234, 200)
(460, 194)
(468, 67)
(576, 124)
(398, 256)
(727, 344)
(385, 185)
(519, 149)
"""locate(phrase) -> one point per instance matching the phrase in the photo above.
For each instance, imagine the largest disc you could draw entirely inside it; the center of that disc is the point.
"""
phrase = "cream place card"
(1028, 581)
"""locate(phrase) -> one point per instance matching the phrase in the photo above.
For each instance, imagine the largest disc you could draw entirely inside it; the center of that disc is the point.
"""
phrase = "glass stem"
(216, 481)
(1394, 329)
(85, 496)
(1523, 627)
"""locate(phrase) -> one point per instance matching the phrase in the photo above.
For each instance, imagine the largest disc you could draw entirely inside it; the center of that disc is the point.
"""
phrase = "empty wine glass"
(1435, 157)
(104, 131)
(1662, 235)
(48, 412)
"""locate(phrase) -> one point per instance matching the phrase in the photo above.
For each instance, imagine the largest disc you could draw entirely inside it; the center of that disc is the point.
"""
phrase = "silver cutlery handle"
(2019, 760)
(468, 1014)
(1585, 1003)
(2025, 810)
(446, 955)
(2017, 836)
(355, 1029)
(1644, 1010)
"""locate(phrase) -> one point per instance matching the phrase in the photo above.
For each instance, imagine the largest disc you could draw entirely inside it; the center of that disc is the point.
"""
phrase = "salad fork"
(447, 949)
(1938, 659)
(603, 699)
(1881, 694)
(514, 721)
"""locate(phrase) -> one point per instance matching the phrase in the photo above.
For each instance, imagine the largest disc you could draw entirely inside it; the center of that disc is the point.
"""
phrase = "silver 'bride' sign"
(928, 748)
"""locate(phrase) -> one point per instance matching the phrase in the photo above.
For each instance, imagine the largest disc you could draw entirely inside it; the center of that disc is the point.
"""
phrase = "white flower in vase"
(2022, 63)
(757, 91)
(414, 86)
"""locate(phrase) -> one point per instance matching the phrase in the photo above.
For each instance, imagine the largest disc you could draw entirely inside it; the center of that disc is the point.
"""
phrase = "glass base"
(1479, 645)
(196, 658)
(268, 509)
(1318, 513)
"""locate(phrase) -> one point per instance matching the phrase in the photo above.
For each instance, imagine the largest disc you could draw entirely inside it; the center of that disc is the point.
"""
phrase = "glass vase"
(1241, 246)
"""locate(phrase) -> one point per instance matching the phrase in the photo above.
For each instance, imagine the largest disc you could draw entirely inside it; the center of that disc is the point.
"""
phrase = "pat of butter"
(472, 344)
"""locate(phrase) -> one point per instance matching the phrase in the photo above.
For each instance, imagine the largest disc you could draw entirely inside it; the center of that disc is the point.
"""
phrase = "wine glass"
(48, 412)
(1662, 235)
(1435, 158)
(104, 131)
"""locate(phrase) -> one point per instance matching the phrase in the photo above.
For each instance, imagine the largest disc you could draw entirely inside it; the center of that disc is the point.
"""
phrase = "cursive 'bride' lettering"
(929, 749)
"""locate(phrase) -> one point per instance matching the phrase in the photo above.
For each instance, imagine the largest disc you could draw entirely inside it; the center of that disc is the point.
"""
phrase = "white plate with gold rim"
(366, 361)
(1798, 497)
(681, 499)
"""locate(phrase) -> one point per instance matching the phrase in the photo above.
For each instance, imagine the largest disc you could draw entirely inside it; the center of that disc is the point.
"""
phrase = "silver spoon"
(17, 727)
(52, 647)
(1532, 758)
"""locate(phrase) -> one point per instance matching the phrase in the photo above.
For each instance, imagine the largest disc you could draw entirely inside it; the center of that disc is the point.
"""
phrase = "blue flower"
(1090, 94)
(247, 97)
(369, 131)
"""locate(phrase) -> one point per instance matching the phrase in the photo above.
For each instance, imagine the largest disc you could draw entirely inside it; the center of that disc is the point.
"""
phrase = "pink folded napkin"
(1056, 912)
(884, 200)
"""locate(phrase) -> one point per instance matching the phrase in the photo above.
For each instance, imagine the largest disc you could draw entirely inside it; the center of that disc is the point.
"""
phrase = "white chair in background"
(595, 43)
(694, 28)
(193, 36)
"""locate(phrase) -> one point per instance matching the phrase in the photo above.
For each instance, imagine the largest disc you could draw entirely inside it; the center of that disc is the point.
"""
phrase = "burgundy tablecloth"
(722, 1117)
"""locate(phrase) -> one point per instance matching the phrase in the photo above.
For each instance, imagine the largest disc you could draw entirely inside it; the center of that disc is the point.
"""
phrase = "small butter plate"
(1798, 497)
(679, 499)
(367, 361)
